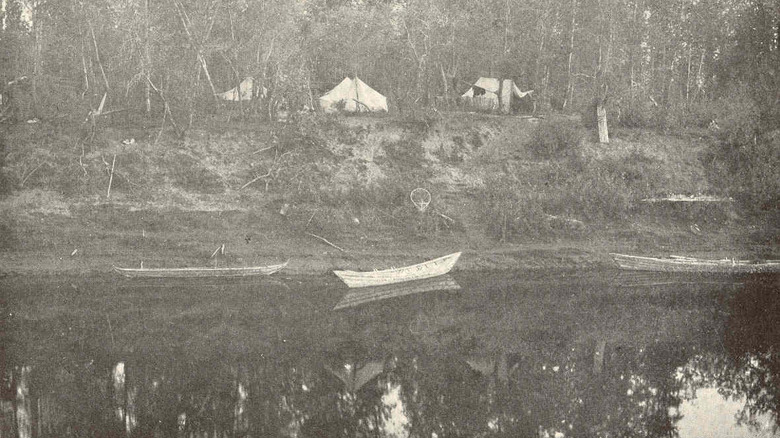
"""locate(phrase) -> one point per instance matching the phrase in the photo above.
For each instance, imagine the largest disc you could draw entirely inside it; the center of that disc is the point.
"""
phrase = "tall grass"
(530, 201)
(511, 208)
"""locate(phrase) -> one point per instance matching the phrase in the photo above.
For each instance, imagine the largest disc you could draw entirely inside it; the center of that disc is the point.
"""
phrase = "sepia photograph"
(389, 218)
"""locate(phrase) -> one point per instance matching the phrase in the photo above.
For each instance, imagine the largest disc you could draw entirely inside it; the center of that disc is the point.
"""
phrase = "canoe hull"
(431, 268)
(200, 272)
(686, 264)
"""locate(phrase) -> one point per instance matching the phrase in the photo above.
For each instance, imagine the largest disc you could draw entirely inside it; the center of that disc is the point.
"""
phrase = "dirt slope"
(173, 202)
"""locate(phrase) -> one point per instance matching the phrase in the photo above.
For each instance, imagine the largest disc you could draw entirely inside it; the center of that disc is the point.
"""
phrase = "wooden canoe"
(690, 264)
(199, 272)
(431, 268)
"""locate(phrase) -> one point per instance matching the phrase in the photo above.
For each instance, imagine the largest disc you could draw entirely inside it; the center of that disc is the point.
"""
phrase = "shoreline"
(530, 258)
(90, 240)
(518, 259)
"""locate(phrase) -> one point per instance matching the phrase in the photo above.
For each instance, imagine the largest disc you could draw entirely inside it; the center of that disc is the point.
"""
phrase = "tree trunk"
(147, 61)
(699, 78)
(208, 76)
(688, 77)
(84, 67)
(506, 29)
(444, 83)
(197, 45)
(570, 76)
(540, 53)
(97, 57)
(37, 49)
(631, 53)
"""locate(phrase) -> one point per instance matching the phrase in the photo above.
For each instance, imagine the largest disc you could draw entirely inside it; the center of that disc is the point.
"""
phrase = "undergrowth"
(555, 138)
(564, 196)
(379, 205)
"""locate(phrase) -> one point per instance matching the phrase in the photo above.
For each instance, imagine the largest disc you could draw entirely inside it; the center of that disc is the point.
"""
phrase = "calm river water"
(564, 354)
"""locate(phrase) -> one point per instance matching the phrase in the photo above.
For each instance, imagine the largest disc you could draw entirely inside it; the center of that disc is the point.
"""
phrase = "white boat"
(431, 268)
(690, 264)
(199, 272)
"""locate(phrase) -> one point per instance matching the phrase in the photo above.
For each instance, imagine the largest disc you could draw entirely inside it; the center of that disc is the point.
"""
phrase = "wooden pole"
(601, 115)
(111, 177)
(326, 241)
(110, 331)
(506, 96)
(598, 357)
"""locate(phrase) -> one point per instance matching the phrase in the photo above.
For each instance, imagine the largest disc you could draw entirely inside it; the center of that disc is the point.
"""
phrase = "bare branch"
(266, 175)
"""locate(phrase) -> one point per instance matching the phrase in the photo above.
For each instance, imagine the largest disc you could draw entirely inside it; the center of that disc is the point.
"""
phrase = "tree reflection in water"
(453, 379)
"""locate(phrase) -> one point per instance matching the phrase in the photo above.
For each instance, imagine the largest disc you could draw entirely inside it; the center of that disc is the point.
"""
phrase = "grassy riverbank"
(334, 193)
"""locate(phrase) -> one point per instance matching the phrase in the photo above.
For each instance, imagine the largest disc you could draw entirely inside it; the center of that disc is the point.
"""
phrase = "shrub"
(748, 169)
(189, 173)
(421, 121)
(744, 160)
(8, 237)
(588, 115)
(555, 138)
(700, 114)
(636, 115)
(406, 153)
(574, 191)
(600, 192)
(676, 116)
(307, 131)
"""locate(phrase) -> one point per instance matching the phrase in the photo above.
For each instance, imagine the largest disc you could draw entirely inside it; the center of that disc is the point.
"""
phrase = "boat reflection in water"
(365, 295)
(502, 357)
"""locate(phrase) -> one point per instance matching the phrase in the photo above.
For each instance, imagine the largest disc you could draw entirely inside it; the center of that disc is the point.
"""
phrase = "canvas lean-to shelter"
(353, 95)
(492, 93)
(243, 92)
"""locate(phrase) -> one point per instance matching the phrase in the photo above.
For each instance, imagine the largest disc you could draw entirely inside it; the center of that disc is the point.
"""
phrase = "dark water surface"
(572, 354)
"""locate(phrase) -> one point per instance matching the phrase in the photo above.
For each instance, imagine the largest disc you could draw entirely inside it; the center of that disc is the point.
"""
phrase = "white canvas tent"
(484, 94)
(244, 91)
(356, 97)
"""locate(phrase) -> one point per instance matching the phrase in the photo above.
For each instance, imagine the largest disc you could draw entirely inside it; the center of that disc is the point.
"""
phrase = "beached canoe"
(431, 268)
(690, 264)
(199, 272)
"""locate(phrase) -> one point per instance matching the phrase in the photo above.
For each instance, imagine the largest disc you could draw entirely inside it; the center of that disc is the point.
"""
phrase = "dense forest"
(60, 57)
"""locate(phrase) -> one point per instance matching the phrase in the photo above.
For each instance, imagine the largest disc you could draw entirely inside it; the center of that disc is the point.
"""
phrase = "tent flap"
(520, 94)
(484, 93)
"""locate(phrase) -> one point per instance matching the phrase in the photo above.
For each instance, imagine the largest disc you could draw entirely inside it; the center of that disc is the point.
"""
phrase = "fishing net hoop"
(420, 198)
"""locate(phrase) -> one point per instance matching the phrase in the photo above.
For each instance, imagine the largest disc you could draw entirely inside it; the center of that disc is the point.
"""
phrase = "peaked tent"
(244, 91)
(484, 93)
(356, 95)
